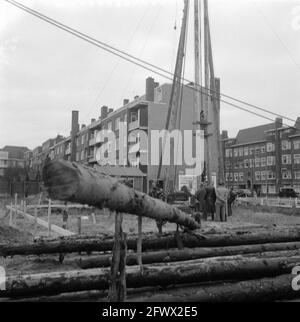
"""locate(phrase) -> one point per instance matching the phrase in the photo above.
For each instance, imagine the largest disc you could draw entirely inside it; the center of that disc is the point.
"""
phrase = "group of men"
(214, 202)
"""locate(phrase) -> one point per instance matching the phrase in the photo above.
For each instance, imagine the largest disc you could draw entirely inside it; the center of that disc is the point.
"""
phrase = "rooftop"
(253, 134)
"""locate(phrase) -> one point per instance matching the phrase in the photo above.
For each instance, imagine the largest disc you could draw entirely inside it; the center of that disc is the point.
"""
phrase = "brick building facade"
(264, 158)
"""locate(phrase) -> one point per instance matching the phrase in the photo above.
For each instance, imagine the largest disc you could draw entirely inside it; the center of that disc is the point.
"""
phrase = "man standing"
(221, 203)
(210, 200)
(201, 198)
(231, 198)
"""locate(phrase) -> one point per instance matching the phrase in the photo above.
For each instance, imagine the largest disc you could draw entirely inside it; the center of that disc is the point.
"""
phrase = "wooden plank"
(43, 223)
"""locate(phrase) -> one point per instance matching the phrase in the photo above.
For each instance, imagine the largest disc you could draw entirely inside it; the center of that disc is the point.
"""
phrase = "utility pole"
(215, 158)
(175, 101)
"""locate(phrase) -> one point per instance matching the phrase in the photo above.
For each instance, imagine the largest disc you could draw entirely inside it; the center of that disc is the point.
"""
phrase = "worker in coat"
(210, 199)
(201, 198)
(221, 202)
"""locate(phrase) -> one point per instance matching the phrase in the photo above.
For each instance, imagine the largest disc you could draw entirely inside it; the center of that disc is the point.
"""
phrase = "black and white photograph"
(149, 154)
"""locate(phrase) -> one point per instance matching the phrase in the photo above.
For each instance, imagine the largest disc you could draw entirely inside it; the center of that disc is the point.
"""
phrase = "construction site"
(91, 236)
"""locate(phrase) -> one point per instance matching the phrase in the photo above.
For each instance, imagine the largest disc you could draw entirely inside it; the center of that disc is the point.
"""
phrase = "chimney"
(83, 126)
(104, 112)
(136, 97)
(110, 110)
(224, 135)
(93, 120)
(74, 130)
(150, 85)
(278, 122)
(297, 123)
(125, 101)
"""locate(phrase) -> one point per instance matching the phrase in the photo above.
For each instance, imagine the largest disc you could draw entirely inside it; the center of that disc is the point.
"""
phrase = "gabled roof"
(120, 171)
(253, 134)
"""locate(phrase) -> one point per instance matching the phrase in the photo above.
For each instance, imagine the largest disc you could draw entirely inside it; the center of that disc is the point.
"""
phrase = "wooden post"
(35, 220)
(40, 199)
(94, 218)
(49, 217)
(117, 284)
(16, 210)
(140, 243)
(11, 214)
(79, 225)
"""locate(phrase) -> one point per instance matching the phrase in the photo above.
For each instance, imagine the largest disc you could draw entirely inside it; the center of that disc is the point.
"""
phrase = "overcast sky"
(45, 73)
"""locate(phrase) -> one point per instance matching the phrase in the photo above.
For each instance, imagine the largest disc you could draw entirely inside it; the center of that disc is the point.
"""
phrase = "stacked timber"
(191, 265)
(247, 269)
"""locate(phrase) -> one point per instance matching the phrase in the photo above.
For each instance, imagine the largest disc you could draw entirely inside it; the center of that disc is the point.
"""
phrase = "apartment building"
(141, 115)
(12, 157)
(263, 158)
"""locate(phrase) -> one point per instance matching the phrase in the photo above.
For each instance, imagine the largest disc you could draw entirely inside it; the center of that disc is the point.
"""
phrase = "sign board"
(189, 181)
(214, 179)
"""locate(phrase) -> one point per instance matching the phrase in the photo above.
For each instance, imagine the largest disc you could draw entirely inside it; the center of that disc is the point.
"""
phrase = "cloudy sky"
(45, 73)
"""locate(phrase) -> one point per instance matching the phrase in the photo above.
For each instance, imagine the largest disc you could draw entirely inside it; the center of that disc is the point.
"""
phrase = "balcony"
(133, 125)
(68, 151)
(92, 142)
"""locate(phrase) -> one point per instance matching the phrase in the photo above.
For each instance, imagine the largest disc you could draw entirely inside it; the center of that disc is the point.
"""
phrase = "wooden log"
(267, 289)
(175, 255)
(77, 183)
(117, 282)
(175, 273)
(150, 242)
(262, 290)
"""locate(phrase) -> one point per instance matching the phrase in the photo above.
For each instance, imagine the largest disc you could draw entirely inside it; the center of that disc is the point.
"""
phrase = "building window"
(236, 177)
(241, 164)
(246, 151)
(117, 123)
(263, 149)
(286, 175)
(133, 117)
(236, 152)
(227, 153)
(297, 159)
(297, 145)
(236, 165)
(272, 189)
(264, 189)
(251, 151)
(231, 177)
(285, 145)
(227, 176)
(264, 175)
(297, 175)
(228, 165)
(297, 188)
(251, 163)
(257, 162)
(270, 161)
(82, 155)
(271, 175)
(241, 151)
(109, 125)
(270, 147)
(77, 156)
(241, 176)
(257, 150)
(257, 175)
(286, 159)
(263, 162)
(246, 164)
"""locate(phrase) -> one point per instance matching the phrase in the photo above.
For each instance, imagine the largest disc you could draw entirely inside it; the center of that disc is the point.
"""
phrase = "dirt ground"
(105, 224)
